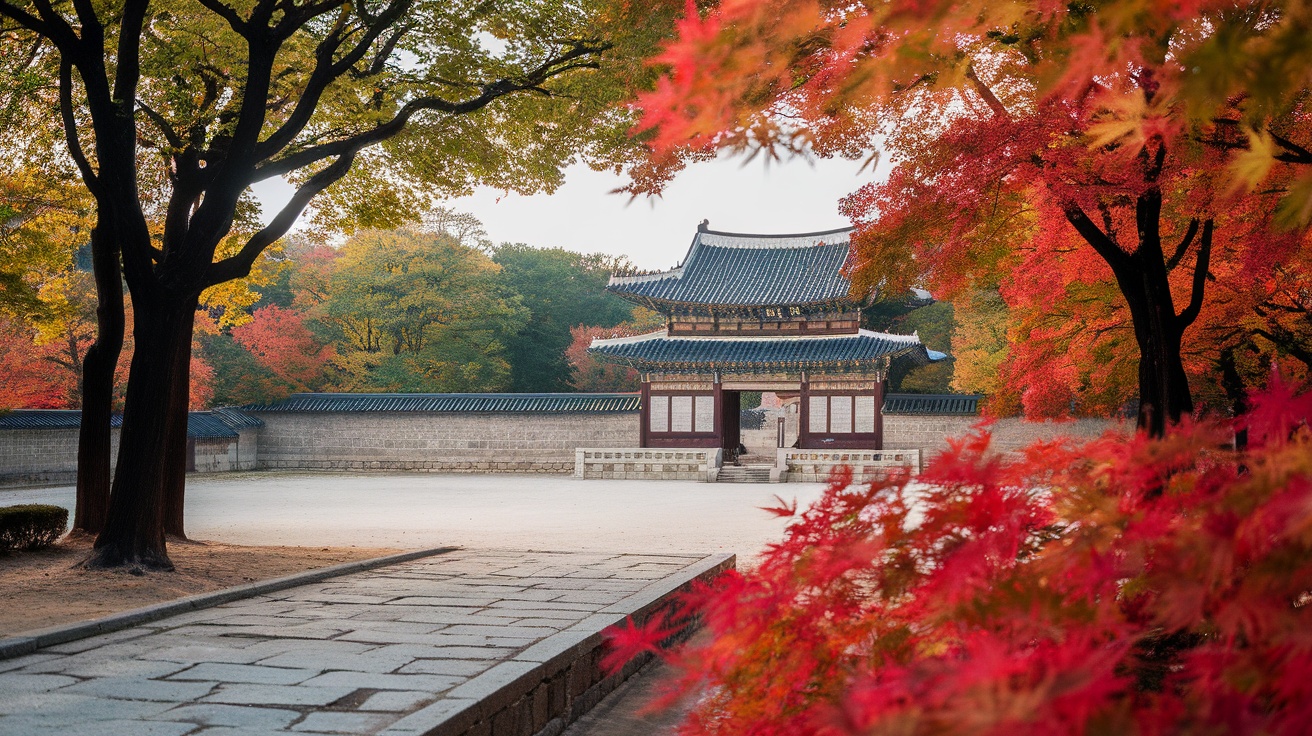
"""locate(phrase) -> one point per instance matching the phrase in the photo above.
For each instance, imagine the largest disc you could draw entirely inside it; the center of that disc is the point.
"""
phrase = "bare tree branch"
(26, 19)
(325, 72)
(162, 125)
(128, 62)
(228, 13)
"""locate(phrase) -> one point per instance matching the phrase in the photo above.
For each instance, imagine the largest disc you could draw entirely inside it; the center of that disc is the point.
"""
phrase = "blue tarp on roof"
(456, 403)
(737, 270)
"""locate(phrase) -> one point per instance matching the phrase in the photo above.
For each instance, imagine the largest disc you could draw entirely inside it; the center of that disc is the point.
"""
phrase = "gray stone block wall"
(223, 455)
(930, 434)
(473, 443)
(42, 456)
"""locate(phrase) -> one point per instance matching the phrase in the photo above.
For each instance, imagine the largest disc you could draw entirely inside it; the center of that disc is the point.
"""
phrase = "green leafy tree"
(172, 109)
(561, 290)
(418, 311)
(933, 322)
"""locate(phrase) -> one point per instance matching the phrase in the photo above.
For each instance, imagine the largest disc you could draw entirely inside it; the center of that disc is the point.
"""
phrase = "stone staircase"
(744, 474)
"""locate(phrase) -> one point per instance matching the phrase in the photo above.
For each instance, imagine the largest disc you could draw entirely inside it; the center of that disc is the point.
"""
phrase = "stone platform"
(469, 642)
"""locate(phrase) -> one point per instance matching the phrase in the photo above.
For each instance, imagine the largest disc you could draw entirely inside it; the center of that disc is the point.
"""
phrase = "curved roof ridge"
(658, 334)
(771, 241)
(847, 229)
(642, 278)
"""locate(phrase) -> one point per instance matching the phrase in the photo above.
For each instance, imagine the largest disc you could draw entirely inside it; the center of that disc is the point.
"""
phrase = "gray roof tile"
(455, 403)
(862, 351)
(737, 270)
(47, 419)
(941, 404)
(218, 423)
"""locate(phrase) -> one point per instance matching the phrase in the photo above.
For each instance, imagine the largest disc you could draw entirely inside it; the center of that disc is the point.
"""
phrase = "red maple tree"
(1126, 585)
(1021, 134)
(280, 341)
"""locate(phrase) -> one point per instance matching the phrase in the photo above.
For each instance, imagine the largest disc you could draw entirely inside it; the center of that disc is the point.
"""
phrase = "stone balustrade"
(635, 463)
(810, 466)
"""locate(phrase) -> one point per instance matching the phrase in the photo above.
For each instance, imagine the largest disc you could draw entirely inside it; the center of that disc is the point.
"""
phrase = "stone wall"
(42, 456)
(471, 443)
(451, 443)
(224, 454)
(930, 433)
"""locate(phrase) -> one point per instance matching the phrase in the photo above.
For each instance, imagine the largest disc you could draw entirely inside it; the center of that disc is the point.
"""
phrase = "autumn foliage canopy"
(1132, 178)
(1125, 586)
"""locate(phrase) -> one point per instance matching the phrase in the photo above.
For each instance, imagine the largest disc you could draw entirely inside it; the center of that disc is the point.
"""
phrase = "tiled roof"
(48, 419)
(218, 423)
(236, 419)
(942, 404)
(863, 351)
(738, 270)
(456, 403)
(203, 424)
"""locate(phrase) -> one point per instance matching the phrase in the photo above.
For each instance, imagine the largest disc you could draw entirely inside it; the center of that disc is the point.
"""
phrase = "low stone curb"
(32, 641)
(552, 683)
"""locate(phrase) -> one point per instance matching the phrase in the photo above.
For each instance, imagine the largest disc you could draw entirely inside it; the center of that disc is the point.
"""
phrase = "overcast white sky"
(783, 197)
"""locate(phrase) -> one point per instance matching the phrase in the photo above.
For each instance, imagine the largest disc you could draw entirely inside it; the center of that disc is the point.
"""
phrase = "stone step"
(744, 474)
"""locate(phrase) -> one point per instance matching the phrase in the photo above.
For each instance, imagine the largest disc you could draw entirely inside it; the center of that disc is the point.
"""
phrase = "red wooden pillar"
(881, 386)
(717, 390)
(804, 414)
(644, 414)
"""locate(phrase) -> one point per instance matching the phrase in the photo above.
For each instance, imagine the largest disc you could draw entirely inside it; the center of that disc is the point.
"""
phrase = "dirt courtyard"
(49, 587)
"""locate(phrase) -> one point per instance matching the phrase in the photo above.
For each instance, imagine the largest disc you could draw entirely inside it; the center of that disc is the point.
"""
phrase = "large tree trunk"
(134, 529)
(1143, 276)
(98, 367)
(175, 455)
(1164, 396)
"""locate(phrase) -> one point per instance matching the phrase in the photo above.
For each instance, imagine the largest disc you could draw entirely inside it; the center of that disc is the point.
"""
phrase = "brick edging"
(31, 641)
(554, 682)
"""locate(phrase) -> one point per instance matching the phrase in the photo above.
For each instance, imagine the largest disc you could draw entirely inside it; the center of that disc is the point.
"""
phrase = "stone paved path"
(373, 652)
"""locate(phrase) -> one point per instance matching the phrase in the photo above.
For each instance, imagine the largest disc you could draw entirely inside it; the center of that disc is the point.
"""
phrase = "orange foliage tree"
(589, 374)
(279, 340)
(1051, 150)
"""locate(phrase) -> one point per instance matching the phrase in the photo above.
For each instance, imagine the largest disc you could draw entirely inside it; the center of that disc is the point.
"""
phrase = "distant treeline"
(434, 308)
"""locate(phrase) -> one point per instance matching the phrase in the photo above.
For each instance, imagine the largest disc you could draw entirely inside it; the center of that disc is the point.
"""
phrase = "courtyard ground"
(410, 511)
(370, 512)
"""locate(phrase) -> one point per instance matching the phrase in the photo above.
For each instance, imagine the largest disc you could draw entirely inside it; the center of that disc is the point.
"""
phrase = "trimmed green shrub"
(31, 526)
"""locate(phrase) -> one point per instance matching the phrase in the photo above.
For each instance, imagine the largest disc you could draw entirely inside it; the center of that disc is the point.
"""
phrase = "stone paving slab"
(471, 641)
